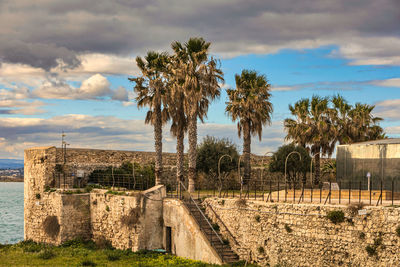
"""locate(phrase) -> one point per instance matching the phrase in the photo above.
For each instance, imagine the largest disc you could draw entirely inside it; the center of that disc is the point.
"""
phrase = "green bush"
(87, 262)
(361, 235)
(336, 216)
(113, 255)
(46, 254)
(215, 226)
(30, 246)
(257, 218)
(260, 250)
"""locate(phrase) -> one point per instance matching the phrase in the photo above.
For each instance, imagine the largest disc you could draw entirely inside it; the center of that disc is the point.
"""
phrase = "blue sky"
(73, 76)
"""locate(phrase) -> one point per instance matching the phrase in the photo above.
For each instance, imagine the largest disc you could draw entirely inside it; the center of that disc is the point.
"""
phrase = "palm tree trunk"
(192, 129)
(179, 157)
(246, 151)
(317, 168)
(158, 145)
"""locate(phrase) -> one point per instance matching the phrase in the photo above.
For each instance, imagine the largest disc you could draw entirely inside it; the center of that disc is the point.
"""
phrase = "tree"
(151, 91)
(209, 152)
(312, 128)
(295, 167)
(200, 85)
(250, 104)
(355, 123)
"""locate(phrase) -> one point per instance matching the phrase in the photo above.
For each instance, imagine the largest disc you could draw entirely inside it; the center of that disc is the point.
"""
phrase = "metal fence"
(323, 192)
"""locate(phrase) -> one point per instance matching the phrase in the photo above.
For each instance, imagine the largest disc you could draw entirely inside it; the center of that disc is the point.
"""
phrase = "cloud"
(108, 132)
(54, 34)
(394, 82)
(283, 88)
(388, 109)
(95, 87)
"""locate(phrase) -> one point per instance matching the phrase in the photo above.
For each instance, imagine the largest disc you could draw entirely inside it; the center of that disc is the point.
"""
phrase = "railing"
(342, 192)
(202, 214)
(126, 181)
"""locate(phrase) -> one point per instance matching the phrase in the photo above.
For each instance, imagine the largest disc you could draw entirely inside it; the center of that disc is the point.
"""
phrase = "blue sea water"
(11, 212)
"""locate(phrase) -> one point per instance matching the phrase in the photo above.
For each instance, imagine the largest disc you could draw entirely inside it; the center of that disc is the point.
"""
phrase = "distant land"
(11, 163)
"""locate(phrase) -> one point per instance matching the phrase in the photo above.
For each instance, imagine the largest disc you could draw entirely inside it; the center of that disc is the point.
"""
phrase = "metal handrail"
(226, 228)
(204, 216)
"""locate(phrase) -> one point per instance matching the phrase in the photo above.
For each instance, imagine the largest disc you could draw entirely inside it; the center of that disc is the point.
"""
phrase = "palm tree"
(250, 104)
(312, 128)
(200, 85)
(151, 92)
(355, 124)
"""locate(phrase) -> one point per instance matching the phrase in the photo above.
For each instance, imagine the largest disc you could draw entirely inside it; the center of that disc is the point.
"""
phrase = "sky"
(64, 64)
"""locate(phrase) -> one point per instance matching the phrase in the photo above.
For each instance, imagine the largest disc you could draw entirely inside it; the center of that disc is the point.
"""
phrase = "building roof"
(386, 141)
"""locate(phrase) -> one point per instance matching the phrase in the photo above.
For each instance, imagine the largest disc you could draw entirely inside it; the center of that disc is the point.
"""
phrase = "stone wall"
(301, 235)
(187, 240)
(131, 221)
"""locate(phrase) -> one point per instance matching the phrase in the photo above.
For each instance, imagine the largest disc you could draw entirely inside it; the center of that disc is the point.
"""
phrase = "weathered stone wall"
(187, 240)
(69, 212)
(131, 221)
(301, 235)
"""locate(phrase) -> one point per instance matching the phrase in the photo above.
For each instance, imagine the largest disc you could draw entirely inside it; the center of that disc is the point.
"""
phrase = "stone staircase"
(213, 235)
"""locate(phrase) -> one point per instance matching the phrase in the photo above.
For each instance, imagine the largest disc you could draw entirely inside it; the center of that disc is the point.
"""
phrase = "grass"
(86, 253)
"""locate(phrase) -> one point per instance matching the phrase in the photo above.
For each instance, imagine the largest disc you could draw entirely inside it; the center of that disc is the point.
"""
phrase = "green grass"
(80, 253)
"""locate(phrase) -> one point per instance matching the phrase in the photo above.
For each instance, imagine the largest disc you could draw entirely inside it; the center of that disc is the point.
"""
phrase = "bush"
(288, 229)
(46, 254)
(257, 218)
(371, 250)
(260, 250)
(88, 262)
(361, 235)
(30, 246)
(103, 243)
(335, 216)
(241, 203)
(353, 208)
(215, 226)
(398, 231)
(79, 243)
(113, 255)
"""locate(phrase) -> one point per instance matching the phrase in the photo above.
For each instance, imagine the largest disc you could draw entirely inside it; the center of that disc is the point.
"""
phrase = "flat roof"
(386, 141)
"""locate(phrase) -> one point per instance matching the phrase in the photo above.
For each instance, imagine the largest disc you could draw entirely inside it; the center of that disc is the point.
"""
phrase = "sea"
(11, 212)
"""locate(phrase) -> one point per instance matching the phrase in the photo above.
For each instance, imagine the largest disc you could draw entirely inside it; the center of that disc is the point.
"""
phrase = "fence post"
(255, 189)
(294, 192)
(330, 191)
(278, 189)
(370, 191)
(285, 191)
(312, 186)
(392, 190)
(349, 192)
(320, 192)
(359, 193)
(340, 191)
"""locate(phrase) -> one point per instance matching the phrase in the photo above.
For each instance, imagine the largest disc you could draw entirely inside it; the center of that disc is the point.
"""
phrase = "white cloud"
(394, 82)
(107, 132)
(388, 109)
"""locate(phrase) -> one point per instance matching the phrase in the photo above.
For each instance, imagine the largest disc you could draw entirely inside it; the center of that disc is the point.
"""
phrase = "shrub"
(87, 262)
(37, 196)
(46, 254)
(378, 241)
(371, 250)
(288, 229)
(131, 218)
(260, 250)
(398, 231)
(257, 218)
(241, 203)
(51, 226)
(353, 208)
(335, 216)
(107, 208)
(30, 246)
(103, 243)
(215, 226)
(113, 255)
(361, 235)
(79, 242)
